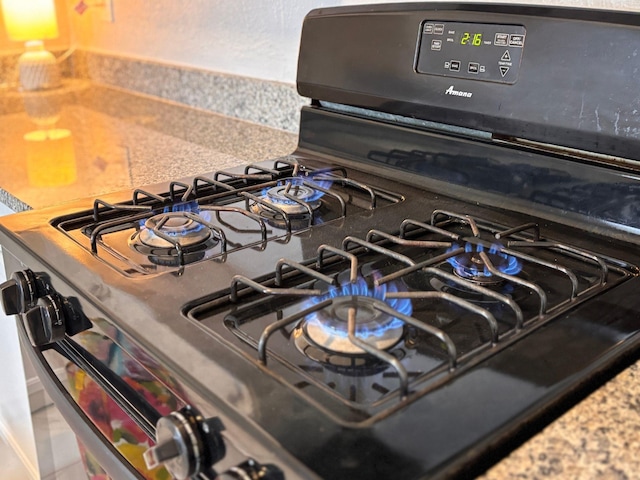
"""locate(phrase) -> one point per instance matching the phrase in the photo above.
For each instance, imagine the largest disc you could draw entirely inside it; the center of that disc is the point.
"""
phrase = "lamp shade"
(30, 19)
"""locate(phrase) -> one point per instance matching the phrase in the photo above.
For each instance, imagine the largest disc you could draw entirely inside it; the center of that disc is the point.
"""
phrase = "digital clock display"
(469, 38)
(476, 51)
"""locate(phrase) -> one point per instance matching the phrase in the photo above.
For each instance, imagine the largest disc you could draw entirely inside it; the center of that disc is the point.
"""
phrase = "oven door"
(109, 399)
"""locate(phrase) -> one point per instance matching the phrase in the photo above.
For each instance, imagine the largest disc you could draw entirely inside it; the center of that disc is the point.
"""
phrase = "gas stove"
(447, 261)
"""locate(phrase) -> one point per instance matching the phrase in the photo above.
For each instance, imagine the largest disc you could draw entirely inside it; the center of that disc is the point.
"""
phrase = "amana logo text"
(457, 93)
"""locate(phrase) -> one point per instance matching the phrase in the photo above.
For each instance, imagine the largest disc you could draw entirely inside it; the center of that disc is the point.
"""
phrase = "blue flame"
(360, 288)
(296, 182)
(508, 263)
(192, 207)
(322, 183)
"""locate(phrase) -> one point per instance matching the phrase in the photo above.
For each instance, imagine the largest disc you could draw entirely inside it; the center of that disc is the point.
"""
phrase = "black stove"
(446, 262)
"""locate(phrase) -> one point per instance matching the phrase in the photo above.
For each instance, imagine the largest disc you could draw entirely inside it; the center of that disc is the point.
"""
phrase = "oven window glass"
(142, 375)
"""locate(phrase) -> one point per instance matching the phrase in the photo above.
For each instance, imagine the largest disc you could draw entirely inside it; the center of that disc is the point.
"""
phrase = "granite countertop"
(116, 140)
(599, 438)
(122, 140)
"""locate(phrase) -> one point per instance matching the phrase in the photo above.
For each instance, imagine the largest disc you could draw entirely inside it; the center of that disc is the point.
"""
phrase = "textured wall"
(254, 38)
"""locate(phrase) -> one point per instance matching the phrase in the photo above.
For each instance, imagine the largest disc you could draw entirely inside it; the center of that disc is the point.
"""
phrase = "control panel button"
(501, 39)
(473, 67)
(504, 70)
(516, 40)
(428, 28)
(454, 65)
(506, 56)
(436, 45)
(438, 29)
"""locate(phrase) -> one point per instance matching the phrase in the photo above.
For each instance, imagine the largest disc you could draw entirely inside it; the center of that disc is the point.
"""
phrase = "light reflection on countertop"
(117, 141)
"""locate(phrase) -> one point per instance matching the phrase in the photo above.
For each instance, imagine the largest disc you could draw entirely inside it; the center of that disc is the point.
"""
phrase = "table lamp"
(33, 21)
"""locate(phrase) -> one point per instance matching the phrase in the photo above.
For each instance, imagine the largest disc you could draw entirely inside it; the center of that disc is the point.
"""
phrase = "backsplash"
(268, 103)
(273, 104)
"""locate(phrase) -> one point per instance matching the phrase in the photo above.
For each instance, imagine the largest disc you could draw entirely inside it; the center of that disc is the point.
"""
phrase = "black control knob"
(45, 323)
(19, 293)
(252, 470)
(186, 443)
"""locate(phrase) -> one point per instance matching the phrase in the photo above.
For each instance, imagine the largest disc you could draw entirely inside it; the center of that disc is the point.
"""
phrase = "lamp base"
(38, 68)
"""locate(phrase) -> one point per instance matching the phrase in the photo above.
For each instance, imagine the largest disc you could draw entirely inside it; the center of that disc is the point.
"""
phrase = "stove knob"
(252, 470)
(45, 322)
(19, 293)
(186, 443)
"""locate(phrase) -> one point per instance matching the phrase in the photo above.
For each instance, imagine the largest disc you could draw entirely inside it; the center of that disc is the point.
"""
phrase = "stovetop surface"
(461, 295)
(512, 342)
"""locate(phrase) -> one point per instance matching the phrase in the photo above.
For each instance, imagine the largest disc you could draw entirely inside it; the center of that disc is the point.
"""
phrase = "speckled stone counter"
(599, 438)
(119, 141)
(265, 102)
(123, 140)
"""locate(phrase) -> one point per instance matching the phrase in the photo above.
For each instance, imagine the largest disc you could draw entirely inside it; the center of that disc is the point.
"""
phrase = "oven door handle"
(113, 463)
(125, 396)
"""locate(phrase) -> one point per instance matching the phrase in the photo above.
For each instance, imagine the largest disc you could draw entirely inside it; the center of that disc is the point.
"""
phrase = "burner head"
(183, 230)
(285, 194)
(469, 265)
(328, 328)
(159, 236)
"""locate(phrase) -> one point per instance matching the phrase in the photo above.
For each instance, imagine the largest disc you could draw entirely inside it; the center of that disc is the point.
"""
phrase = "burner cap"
(328, 328)
(470, 266)
(277, 196)
(177, 225)
(193, 236)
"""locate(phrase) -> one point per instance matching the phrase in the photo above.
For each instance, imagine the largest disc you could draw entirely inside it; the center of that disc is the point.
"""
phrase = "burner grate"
(454, 324)
(232, 207)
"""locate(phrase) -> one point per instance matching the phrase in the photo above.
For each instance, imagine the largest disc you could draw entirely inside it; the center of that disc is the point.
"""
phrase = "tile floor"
(56, 446)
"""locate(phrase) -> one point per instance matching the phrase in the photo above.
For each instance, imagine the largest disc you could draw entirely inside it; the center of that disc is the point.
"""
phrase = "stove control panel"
(478, 51)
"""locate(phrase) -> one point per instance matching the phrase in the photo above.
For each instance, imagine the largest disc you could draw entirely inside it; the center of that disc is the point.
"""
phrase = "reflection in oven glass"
(107, 416)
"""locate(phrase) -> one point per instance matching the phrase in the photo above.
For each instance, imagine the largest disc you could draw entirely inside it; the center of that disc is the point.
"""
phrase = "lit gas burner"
(469, 265)
(177, 226)
(183, 226)
(294, 196)
(328, 327)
